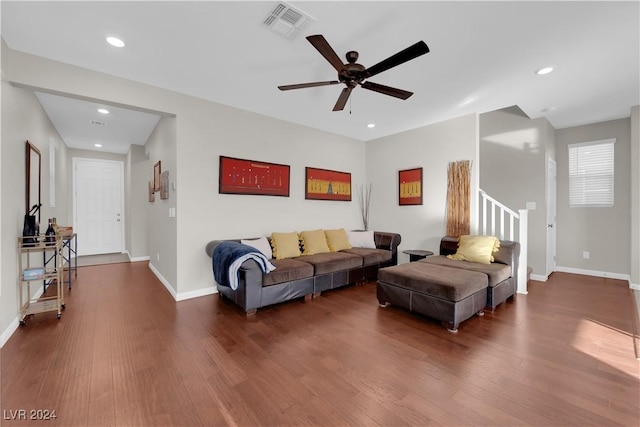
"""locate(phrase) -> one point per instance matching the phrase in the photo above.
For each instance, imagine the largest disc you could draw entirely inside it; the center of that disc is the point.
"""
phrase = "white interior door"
(551, 216)
(98, 205)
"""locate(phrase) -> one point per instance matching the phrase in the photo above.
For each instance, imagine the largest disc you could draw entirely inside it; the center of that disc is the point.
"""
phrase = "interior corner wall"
(140, 170)
(635, 197)
(596, 229)
(431, 147)
(161, 227)
(23, 118)
(513, 156)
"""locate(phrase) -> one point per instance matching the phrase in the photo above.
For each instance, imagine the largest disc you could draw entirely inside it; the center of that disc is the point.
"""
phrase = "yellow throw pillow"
(314, 242)
(337, 239)
(285, 245)
(476, 249)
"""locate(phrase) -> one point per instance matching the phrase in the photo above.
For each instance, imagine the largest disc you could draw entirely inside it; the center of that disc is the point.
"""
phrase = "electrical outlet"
(586, 254)
(158, 256)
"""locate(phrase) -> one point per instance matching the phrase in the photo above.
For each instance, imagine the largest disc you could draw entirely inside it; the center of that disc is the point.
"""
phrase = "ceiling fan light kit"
(353, 74)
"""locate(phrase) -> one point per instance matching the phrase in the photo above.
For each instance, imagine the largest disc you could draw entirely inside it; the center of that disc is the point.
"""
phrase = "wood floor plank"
(125, 353)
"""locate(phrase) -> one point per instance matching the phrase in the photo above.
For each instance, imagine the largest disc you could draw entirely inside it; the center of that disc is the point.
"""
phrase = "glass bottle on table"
(50, 234)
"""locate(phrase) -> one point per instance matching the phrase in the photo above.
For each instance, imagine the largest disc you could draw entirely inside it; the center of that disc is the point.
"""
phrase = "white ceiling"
(483, 56)
(82, 126)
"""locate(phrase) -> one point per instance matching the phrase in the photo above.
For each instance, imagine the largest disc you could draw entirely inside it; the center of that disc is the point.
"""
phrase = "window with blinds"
(591, 173)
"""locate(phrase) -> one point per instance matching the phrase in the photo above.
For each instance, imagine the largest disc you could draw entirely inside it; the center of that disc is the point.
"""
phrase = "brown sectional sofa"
(449, 290)
(308, 275)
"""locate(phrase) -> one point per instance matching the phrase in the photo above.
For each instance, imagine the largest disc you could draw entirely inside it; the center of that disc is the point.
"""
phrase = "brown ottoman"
(447, 294)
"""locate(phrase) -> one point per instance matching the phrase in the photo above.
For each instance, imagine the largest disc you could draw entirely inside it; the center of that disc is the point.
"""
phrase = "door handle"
(548, 225)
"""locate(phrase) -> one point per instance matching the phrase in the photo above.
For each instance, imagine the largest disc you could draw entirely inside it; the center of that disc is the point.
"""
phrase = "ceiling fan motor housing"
(351, 74)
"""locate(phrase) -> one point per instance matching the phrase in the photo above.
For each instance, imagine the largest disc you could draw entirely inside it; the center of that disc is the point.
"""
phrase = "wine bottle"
(50, 234)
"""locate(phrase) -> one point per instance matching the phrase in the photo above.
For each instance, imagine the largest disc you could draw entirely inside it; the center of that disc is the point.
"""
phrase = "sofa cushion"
(476, 249)
(285, 245)
(370, 256)
(337, 239)
(451, 284)
(287, 270)
(314, 242)
(332, 261)
(262, 244)
(496, 272)
(361, 239)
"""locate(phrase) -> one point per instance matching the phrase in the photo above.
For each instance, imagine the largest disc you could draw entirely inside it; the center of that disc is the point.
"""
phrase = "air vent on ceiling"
(286, 20)
(97, 123)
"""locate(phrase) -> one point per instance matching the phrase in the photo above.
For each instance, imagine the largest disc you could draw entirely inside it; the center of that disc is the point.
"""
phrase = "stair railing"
(495, 217)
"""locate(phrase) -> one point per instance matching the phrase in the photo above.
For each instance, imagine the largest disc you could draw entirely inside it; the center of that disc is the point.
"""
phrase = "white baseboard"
(635, 286)
(164, 281)
(197, 293)
(594, 273)
(6, 334)
(539, 277)
(138, 258)
(13, 326)
(182, 295)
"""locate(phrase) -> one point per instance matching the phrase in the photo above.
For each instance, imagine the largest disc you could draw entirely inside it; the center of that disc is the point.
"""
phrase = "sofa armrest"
(249, 292)
(389, 242)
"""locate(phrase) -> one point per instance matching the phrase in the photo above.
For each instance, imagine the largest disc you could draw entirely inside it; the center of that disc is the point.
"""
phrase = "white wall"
(604, 232)
(432, 148)
(513, 168)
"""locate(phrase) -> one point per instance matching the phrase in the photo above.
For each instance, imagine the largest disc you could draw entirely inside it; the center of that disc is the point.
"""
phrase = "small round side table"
(417, 254)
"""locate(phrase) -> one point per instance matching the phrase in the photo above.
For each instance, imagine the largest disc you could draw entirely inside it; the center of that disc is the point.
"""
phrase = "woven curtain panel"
(458, 198)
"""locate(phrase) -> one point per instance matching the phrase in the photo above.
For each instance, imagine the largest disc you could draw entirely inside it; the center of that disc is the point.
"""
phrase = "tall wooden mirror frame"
(33, 177)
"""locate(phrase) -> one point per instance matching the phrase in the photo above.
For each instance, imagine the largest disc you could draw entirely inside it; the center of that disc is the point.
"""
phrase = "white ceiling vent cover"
(286, 20)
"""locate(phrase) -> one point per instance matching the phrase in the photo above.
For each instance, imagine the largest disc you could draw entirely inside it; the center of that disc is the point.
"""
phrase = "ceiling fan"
(353, 74)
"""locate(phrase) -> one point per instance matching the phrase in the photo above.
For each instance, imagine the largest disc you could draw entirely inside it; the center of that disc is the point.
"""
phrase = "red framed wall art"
(240, 176)
(323, 184)
(410, 187)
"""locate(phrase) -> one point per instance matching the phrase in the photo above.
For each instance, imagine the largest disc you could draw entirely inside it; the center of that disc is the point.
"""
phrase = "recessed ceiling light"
(371, 125)
(97, 145)
(114, 41)
(103, 111)
(543, 71)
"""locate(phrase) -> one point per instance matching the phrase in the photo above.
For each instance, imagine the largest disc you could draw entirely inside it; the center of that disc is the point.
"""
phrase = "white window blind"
(591, 173)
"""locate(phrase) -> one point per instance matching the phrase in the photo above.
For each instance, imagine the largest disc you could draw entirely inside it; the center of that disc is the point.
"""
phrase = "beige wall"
(204, 131)
(604, 232)
(161, 229)
(635, 197)
(432, 148)
(513, 166)
(22, 119)
(139, 169)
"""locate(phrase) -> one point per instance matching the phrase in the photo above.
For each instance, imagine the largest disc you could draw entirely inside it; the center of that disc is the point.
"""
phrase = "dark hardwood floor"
(126, 354)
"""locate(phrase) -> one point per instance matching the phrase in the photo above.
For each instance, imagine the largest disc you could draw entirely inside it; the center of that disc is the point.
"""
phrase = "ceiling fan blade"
(387, 90)
(401, 57)
(342, 99)
(303, 85)
(321, 44)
